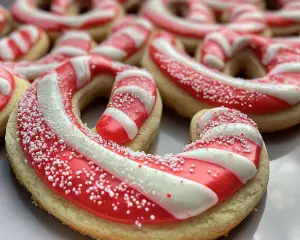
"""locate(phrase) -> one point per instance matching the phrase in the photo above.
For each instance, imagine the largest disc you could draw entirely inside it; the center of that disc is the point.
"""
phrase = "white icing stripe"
(136, 35)
(19, 41)
(33, 71)
(81, 67)
(288, 14)
(221, 41)
(213, 61)
(152, 183)
(241, 167)
(69, 51)
(6, 53)
(32, 31)
(197, 17)
(286, 67)
(240, 43)
(220, 5)
(124, 120)
(234, 129)
(208, 116)
(75, 35)
(155, 8)
(271, 52)
(252, 15)
(5, 86)
(286, 92)
(143, 95)
(246, 26)
(134, 73)
(239, 9)
(71, 21)
(199, 6)
(144, 23)
(111, 52)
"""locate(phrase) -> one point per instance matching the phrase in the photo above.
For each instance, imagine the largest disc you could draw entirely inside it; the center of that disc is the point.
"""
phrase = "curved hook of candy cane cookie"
(127, 42)
(96, 21)
(188, 86)
(117, 184)
(70, 44)
(220, 47)
(199, 21)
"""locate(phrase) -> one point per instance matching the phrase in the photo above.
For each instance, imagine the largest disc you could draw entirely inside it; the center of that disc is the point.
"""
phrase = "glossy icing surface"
(19, 43)
(277, 91)
(130, 35)
(70, 44)
(219, 47)
(115, 182)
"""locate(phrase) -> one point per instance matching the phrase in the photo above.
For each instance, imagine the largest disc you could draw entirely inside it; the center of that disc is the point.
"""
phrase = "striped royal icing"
(128, 38)
(102, 12)
(19, 43)
(250, 20)
(117, 183)
(70, 44)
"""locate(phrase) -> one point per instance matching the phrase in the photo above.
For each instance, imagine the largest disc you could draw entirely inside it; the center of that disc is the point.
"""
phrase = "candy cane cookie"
(127, 42)
(97, 21)
(199, 20)
(76, 173)
(70, 44)
(284, 21)
(271, 98)
(26, 43)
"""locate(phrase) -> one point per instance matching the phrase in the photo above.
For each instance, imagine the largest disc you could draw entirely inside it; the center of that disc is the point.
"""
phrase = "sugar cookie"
(271, 99)
(74, 173)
